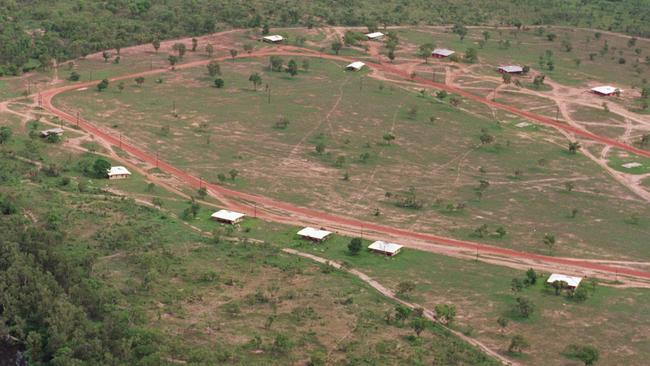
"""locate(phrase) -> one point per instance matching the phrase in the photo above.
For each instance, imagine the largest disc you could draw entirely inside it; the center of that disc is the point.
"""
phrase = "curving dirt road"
(281, 211)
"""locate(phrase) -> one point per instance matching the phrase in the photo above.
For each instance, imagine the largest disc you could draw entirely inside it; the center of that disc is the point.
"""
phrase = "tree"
(388, 137)
(486, 35)
(418, 324)
(218, 83)
(320, 148)
(405, 287)
(233, 174)
(233, 54)
(276, 63)
(645, 139)
(485, 137)
(74, 76)
(139, 80)
(471, 55)
(209, 49)
(501, 232)
(507, 78)
(445, 313)
(156, 44)
(574, 146)
(391, 55)
(425, 50)
(354, 247)
(516, 285)
(5, 134)
(180, 49)
(460, 30)
(524, 307)
(256, 79)
(482, 230)
(265, 29)
(202, 192)
(503, 323)
(559, 286)
(195, 44)
(402, 312)
(248, 47)
(531, 276)
(214, 68)
(551, 36)
(336, 46)
(106, 55)
(538, 81)
(173, 60)
(121, 86)
(585, 353)
(549, 241)
(292, 68)
(100, 168)
(517, 344)
(102, 85)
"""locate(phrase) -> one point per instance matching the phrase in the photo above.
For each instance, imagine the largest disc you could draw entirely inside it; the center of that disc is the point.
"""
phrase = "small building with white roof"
(571, 281)
(276, 38)
(53, 131)
(118, 172)
(606, 90)
(228, 217)
(375, 36)
(312, 234)
(442, 53)
(355, 66)
(382, 247)
(511, 69)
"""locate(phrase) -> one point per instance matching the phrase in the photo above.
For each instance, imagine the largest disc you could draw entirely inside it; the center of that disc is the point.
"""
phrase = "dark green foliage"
(585, 353)
(74, 29)
(100, 168)
(355, 246)
(5, 134)
(218, 83)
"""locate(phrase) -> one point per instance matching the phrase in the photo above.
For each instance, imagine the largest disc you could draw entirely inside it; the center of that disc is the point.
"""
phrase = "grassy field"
(436, 151)
(526, 46)
(209, 302)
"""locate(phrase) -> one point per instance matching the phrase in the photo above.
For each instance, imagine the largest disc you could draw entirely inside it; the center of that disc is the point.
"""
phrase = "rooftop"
(605, 89)
(357, 65)
(118, 170)
(228, 215)
(314, 233)
(274, 38)
(511, 68)
(443, 52)
(570, 280)
(385, 247)
(375, 35)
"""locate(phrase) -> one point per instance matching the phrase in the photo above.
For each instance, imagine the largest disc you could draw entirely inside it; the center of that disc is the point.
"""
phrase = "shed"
(312, 234)
(382, 247)
(571, 281)
(228, 217)
(375, 35)
(606, 90)
(442, 53)
(118, 172)
(276, 38)
(511, 69)
(355, 66)
(53, 131)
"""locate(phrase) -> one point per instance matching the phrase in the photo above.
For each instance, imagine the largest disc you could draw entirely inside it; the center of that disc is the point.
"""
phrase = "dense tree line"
(42, 30)
(55, 308)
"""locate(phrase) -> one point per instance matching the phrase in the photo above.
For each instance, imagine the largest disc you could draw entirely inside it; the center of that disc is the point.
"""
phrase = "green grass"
(238, 123)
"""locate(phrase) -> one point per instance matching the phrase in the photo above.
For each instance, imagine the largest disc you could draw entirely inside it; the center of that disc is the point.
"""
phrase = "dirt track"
(270, 209)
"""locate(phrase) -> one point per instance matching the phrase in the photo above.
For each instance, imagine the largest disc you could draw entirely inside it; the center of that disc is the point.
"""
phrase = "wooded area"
(32, 33)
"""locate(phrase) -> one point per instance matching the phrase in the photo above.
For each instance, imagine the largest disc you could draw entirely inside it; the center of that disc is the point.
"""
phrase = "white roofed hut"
(442, 53)
(571, 281)
(312, 234)
(118, 172)
(276, 38)
(53, 131)
(375, 36)
(228, 217)
(606, 90)
(355, 66)
(382, 247)
(511, 69)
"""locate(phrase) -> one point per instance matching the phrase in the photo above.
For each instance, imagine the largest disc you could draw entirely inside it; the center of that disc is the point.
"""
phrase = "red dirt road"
(326, 219)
